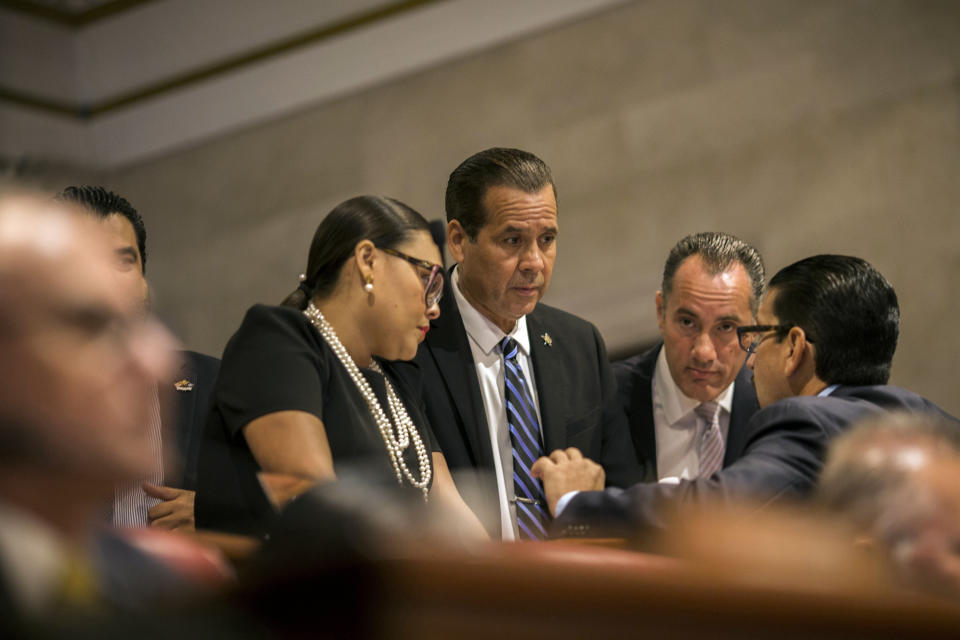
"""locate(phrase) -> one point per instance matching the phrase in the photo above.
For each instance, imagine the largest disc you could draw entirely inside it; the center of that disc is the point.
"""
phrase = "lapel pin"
(183, 385)
(547, 340)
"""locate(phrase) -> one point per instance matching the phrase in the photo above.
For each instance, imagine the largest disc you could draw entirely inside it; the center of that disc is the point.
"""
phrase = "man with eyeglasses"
(505, 377)
(820, 357)
(687, 395)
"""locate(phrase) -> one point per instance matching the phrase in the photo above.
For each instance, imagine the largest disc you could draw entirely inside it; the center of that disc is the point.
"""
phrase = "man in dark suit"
(821, 359)
(495, 404)
(688, 395)
(166, 498)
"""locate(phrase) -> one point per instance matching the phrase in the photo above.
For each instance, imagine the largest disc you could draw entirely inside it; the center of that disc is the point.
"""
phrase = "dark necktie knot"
(509, 348)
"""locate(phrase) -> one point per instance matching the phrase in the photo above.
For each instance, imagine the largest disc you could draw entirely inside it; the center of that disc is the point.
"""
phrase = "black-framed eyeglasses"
(751, 335)
(432, 279)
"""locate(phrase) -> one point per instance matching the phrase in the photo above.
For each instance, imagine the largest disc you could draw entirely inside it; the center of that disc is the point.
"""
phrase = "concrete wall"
(803, 127)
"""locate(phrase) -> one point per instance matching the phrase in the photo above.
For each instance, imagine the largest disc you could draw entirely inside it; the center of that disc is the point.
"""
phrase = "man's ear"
(661, 309)
(797, 350)
(456, 238)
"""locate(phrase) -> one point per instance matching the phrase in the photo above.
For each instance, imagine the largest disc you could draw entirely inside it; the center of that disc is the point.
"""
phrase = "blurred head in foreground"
(77, 364)
(896, 478)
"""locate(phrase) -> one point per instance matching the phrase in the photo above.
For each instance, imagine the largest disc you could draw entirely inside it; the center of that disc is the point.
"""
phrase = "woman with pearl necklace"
(309, 386)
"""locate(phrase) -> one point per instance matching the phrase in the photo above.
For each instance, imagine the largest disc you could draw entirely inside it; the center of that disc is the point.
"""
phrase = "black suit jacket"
(575, 388)
(778, 455)
(188, 394)
(635, 390)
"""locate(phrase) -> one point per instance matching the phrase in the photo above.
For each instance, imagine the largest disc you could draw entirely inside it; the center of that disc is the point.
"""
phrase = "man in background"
(164, 497)
(504, 376)
(685, 397)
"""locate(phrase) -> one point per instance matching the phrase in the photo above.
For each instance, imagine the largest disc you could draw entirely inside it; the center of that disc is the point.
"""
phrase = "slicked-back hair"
(103, 203)
(719, 252)
(385, 222)
(847, 309)
(495, 167)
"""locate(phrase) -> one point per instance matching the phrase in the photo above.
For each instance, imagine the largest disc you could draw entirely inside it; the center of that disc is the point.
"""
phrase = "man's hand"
(176, 510)
(564, 471)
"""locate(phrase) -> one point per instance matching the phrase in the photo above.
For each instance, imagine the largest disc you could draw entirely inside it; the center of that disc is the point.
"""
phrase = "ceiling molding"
(75, 18)
(86, 112)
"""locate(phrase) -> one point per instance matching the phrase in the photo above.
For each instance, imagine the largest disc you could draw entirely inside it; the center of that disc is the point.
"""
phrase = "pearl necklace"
(397, 440)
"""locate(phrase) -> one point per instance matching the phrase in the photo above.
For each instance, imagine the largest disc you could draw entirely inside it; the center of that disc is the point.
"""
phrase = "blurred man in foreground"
(821, 359)
(896, 479)
(78, 368)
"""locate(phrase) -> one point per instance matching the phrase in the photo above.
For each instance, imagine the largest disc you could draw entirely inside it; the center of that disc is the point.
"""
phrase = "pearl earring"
(368, 287)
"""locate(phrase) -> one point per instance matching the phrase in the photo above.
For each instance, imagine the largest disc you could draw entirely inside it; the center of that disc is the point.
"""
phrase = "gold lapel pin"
(183, 385)
(547, 340)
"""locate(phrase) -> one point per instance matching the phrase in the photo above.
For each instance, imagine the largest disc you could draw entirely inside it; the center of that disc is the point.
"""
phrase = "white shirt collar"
(33, 555)
(676, 404)
(484, 333)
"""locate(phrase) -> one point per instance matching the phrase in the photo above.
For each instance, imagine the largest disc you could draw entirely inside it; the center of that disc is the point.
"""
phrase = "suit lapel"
(449, 347)
(641, 413)
(184, 388)
(550, 383)
(741, 410)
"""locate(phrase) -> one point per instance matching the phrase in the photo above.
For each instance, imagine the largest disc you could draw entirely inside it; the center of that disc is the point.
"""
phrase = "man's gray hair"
(718, 251)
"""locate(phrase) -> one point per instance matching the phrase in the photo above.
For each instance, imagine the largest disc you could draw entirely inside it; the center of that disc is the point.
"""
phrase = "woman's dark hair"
(385, 222)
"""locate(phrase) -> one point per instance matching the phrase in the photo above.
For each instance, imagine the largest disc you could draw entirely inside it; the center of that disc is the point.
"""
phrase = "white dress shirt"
(130, 502)
(677, 426)
(484, 338)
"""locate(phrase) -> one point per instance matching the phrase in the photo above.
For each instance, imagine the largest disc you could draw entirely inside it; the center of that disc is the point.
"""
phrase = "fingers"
(164, 493)
(160, 510)
(174, 521)
(559, 456)
(540, 466)
(574, 454)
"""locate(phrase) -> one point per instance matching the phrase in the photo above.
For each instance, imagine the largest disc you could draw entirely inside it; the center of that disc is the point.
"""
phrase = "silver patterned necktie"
(710, 447)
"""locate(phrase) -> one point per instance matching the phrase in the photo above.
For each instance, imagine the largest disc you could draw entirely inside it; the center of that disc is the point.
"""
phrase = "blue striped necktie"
(532, 515)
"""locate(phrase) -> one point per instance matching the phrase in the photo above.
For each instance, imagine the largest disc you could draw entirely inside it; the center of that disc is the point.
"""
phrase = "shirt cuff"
(564, 501)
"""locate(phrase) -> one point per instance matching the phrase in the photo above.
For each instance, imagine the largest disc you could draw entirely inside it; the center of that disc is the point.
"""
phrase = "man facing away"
(505, 377)
(685, 397)
(162, 498)
(820, 356)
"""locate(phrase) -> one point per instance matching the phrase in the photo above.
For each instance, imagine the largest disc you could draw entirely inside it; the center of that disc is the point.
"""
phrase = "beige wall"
(804, 127)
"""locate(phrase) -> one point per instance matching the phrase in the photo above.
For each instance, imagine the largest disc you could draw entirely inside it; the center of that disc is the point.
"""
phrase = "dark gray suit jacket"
(189, 394)
(635, 390)
(575, 387)
(778, 455)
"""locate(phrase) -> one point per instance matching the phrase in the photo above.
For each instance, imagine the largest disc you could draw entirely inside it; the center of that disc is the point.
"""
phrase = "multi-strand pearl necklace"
(396, 440)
